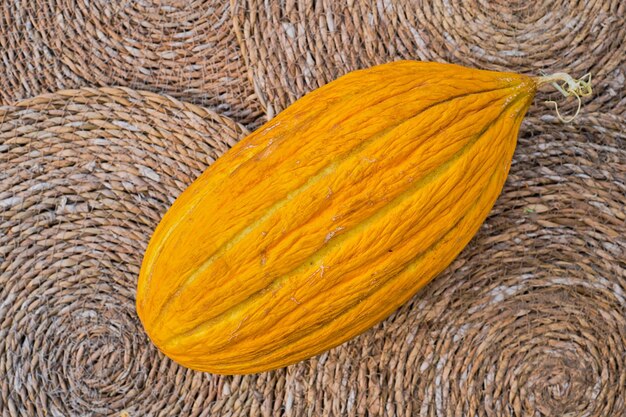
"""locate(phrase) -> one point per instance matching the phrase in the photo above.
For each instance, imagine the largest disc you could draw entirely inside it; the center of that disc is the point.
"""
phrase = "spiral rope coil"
(530, 320)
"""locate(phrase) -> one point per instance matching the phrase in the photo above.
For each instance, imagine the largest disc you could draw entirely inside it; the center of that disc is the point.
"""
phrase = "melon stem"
(568, 86)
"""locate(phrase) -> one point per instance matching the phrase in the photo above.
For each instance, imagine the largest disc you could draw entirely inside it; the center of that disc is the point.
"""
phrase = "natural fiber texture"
(530, 320)
(85, 176)
(182, 48)
(293, 47)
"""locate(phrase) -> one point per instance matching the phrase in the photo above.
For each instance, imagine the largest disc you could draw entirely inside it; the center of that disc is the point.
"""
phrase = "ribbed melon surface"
(329, 217)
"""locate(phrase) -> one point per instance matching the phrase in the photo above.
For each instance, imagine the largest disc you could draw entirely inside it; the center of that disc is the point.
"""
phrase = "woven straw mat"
(530, 320)
(295, 46)
(182, 48)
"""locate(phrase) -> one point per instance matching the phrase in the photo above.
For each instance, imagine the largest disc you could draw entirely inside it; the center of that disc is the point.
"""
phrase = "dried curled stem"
(569, 86)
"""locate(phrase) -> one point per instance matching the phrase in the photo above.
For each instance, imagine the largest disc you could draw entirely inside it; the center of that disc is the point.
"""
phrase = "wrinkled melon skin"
(329, 217)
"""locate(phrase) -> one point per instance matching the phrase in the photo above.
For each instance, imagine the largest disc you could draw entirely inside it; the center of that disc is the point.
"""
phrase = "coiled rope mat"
(530, 320)
(181, 48)
(296, 46)
(86, 175)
